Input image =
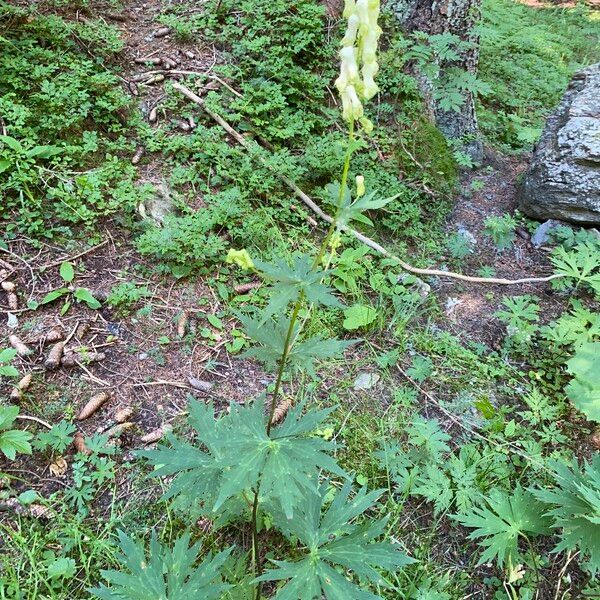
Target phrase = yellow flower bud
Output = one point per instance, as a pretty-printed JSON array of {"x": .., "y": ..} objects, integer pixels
[
  {"x": 360, "y": 186},
  {"x": 366, "y": 124},
  {"x": 241, "y": 258},
  {"x": 362, "y": 11},
  {"x": 356, "y": 106},
  {"x": 335, "y": 241}
]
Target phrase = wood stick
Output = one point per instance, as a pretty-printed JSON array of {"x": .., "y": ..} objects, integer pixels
[{"x": 308, "y": 201}]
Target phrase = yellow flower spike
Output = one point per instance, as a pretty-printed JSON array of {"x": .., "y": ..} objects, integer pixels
[
  {"x": 357, "y": 107},
  {"x": 241, "y": 258},
  {"x": 360, "y": 186},
  {"x": 349, "y": 7},
  {"x": 359, "y": 43},
  {"x": 350, "y": 36}
]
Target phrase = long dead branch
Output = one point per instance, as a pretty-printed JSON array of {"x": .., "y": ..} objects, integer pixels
[{"x": 308, "y": 201}]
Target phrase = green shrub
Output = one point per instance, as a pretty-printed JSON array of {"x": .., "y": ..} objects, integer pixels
[{"x": 51, "y": 90}]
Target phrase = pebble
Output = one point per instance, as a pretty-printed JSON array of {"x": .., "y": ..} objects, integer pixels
[{"x": 366, "y": 381}]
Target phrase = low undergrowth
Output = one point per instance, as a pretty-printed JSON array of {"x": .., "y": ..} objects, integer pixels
[{"x": 396, "y": 451}]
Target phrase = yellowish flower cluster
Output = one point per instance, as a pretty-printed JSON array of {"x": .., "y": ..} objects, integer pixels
[
  {"x": 359, "y": 47},
  {"x": 241, "y": 258}
]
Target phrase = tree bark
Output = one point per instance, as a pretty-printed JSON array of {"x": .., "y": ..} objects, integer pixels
[{"x": 457, "y": 17}]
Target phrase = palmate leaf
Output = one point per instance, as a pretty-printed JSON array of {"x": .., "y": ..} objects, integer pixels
[
  {"x": 584, "y": 389},
  {"x": 15, "y": 441},
  {"x": 165, "y": 573},
  {"x": 270, "y": 338},
  {"x": 581, "y": 264},
  {"x": 575, "y": 508},
  {"x": 234, "y": 453},
  {"x": 501, "y": 525},
  {"x": 332, "y": 540},
  {"x": 354, "y": 211},
  {"x": 290, "y": 281}
]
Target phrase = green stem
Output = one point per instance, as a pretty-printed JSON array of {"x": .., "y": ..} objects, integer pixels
[
  {"x": 343, "y": 184},
  {"x": 256, "y": 562}
]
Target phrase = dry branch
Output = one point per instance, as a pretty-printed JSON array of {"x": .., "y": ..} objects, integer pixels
[{"x": 308, "y": 201}]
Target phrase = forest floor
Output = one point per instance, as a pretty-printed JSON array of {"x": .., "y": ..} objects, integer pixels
[{"x": 180, "y": 339}]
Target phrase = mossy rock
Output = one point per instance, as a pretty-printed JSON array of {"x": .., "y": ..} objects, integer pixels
[{"x": 430, "y": 149}]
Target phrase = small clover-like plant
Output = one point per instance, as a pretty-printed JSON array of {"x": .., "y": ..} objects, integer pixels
[
  {"x": 520, "y": 314},
  {"x": 163, "y": 572},
  {"x": 501, "y": 230},
  {"x": 19, "y": 162},
  {"x": 57, "y": 439},
  {"x": 70, "y": 292}
]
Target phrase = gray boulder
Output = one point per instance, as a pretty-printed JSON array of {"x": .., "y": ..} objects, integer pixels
[{"x": 563, "y": 179}]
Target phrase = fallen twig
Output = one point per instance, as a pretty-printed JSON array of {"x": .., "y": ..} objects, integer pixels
[
  {"x": 56, "y": 263},
  {"x": 308, "y": 201},
  {"x": 34, "y": 419}
]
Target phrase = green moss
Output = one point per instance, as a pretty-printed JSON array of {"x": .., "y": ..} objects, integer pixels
[{"x": 430, "y": 150}]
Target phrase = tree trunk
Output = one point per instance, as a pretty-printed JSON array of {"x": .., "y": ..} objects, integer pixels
[{"x": 457, "y": 17}]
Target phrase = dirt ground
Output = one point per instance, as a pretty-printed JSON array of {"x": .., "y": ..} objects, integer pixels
[{"x": 146, "y": 365}]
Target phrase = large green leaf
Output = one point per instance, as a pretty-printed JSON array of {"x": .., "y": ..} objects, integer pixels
[
  {"x": 67, "y": 271},
  {"x": 234, "y": 453},
  {"x": 354, "y": 210},
  {"x": 12, "y": 143},
  {"x": 270, "y": 337},
  {"x": 582, "y": 264},
  {"x": 291, "y": 281},
  {"x": 8, "y": 414},
  {"x": 358, "y": 315},
  {"x": 13, "y": 442},
  {"x": 53, "y": 295},
  {"x": 575, "y": 507},
  {"x": 86, "y": 296},
  {"x": 502, "y": 524},
  {"x": 7, "y": 355},
  {"x": 334, "y": 541},
  {"x": 44, "y": 152},
  {"x": 584, "y": 389},
  {"x": 163, "y": 573}
]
